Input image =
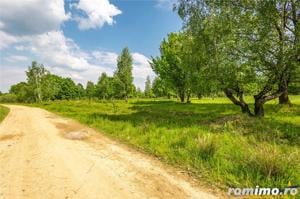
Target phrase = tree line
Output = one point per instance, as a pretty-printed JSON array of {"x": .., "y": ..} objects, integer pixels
[{"x": 41, "y": 85}]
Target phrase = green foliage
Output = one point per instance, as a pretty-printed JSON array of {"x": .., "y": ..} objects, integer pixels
[
  {"x": 174, "y": 65},
  {"x": 41, "y": 85},
  {"x": 81, "y": 91},
  {"x": 105, "y": 87},
  {"x": 3, "y": 112},
  {"x": 208, "y": 137},
  {"x": 90, "y": 90},
  {"x": 148, "y": 88},
  {"x": 244, "y": 48},
  {"x": 160, "y": 88},
  {"x": 123, "y": 75},
  {"x": 51, "y": 86},
  {"x": 68, "y": 89},
  {"x": 23, "y": 92},
  {"x": 8, "y": 98},
  {"x": 35, "y": 74}
]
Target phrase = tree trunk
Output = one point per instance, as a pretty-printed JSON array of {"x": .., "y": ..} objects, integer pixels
[
  {"x": 284, "y": 97},
  {"x": 199, "y": 96},
  {"x": 188, "y": 98},
  {"x": 259, "y": 108},
  {"x": 240, "y": 102},
  {"x": 181, "y": 96},
  {"x": 245, "y": 109}
]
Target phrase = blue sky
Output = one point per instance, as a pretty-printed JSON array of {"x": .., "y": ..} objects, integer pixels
[{"x": 81, "y": 39}]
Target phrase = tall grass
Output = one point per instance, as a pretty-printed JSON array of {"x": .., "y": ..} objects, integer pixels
[
  {"x": 3, "y": 112},
  {"x": 209, "y": 138}
]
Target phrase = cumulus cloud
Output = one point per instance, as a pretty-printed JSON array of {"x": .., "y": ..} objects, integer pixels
[
  {"x": 20, "y": 48},
  {"x": 6, "y": 40},
  {"x": 32, "y": 28},
  {"x": 31, "y": 17},
  {"x": 16, "y": 58},
  {"x": 10, "y": 75},
  {"x": 107, "y": 58},
  {"x": 57, "y": 50},
  {"x": 65, "y": 58},
  {"x": 141, "y": 69},
  {"x": 98, "y": 12}
]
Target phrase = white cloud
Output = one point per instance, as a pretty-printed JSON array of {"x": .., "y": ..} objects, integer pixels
[
  {"x": 10, "y": 75},
  {"x": 57, "y": 50},
  {"x": 33, "y": 27},
  {"x": 98, "y": 12},
  {"x": 20, "y": 48},
  {"x": 16, "y": 58},
  {"x": 65, "y": 58},
  {"x": 6, "y": 40},
  {"x": 31, "y": 17},
  {"x": 141, "y": 69},
  {"x": 106, "y": 58},
  {"x": 165, "y": 4}
]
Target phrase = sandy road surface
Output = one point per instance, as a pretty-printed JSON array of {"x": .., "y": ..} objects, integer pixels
[{"x": 46, "y": 156}]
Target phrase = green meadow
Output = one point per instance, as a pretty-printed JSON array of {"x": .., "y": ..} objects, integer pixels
[{"x": 208, "y": 138}]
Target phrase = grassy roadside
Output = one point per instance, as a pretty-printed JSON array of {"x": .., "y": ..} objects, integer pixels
[
  {"x": 208, "y": 137},
  {"x": 3, "y": 112}
]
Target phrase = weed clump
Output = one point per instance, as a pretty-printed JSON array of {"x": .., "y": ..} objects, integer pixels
[
  {"x": 207, "y": 146},
  {"x": 271, "y": 163}
]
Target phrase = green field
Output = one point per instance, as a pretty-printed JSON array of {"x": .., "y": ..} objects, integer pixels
[
  {"x": 208, "y": 138},
  {"x": 3, "y": 112}
]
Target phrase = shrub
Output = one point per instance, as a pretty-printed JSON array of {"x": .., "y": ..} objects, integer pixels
[{"x": 8, "y": 98}]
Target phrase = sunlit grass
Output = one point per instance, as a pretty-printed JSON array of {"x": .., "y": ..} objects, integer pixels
[
  {"x": 208, "y": 137},
  {"x": 3, "y": 112}
]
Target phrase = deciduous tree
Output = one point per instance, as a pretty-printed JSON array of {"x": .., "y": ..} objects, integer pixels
[{"x": 123, "y": 75}]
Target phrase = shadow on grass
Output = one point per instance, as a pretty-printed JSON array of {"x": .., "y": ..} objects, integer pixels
[{"x": 170, "y": 115}]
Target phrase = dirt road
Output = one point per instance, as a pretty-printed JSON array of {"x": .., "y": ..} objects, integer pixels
[{"x": 46, "y": 156}]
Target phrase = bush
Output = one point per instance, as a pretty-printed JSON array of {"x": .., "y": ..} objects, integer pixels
[{"x": 8, "y": 98}]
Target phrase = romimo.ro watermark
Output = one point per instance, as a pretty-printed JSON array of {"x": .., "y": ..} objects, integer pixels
[{"x": 263, "y": 192}]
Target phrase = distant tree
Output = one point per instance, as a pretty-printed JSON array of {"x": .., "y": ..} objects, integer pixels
[
  {"x": 68, "y": 89},
  {"x": 123, "y": 79},
  {"x": 160, "y": 88},
  {"x": 35, "y": 74},
  {"x": 90, "y": 90},
  {"x": 8, "y": 98},
  {"x": 81, "y": 91},
  {"x": 148, "y": 87},
  {"x": 22, "y": 91},
  {"x": 139, "y": 93},
  {"x": 174, "y": 65},
  {"x": 51, "y": 86},
  {"x": 104, "y": 87}
]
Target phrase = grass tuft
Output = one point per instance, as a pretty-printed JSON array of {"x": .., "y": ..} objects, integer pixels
[{"x": 207, "y": 146}]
